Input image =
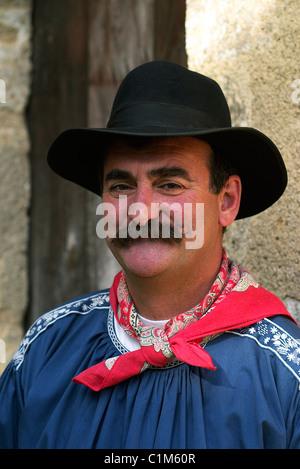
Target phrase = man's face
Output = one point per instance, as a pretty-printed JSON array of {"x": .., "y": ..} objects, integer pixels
[{"x": 168, "y": 171}]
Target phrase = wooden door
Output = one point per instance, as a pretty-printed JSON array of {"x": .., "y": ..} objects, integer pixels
[{"x": 82, "y": 49}]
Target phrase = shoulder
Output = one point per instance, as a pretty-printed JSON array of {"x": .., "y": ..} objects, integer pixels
[
  {"x": 61, "y": 317},
  {"x": 279, "y": 337}
]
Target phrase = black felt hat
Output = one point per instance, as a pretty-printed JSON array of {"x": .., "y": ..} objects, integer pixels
[{"x": 165, "y": 99}]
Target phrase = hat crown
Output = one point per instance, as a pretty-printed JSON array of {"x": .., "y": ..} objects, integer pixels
[{"x": 193, "y": 100}]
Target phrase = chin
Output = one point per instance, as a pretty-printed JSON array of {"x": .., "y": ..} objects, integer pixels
[{"x": 147, "y": 259}]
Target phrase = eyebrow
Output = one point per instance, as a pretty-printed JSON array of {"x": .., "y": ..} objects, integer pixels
[
  {"x": 163, "y": 172},
  {"x": 169, "y": 171},
  {"x": 117, "y": 174}
]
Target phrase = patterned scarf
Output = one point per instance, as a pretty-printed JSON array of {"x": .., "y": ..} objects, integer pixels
[{"x": 235, "y": 300}]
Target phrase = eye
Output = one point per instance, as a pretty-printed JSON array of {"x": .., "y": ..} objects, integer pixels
[
  {"x": 171, "y": 187},
  {"x": 120, "y": 187}
]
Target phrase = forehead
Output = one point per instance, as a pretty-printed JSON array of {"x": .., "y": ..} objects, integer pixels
[{"x": 187, "y": 152}]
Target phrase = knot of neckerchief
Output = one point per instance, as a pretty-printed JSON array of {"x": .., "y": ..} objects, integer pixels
[
  {"x": 155, "y": 342},
  {"x": 183, "y": 336}
]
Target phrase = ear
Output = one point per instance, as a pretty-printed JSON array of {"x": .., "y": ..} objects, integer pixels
[{"x": 230, "y": 197}]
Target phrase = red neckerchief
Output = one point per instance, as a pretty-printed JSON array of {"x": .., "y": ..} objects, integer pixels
[{"x": 235, "y": 300}]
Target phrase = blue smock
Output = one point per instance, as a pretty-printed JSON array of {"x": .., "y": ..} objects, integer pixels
[{"x": 250, "y": 401}]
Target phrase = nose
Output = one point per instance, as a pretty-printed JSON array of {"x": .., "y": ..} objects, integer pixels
[{"x": 141, "y": 207}]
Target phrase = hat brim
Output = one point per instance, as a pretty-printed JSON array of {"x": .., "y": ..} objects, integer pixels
[{"x": 76, "y": 155}]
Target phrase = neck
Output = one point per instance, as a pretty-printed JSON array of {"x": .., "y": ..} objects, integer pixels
[{"x": 167, "y": 295}]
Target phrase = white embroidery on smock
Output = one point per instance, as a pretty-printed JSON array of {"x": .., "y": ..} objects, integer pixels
[
  {"x": 82, "y": 306},
  {"x": 269, "y": 335}
]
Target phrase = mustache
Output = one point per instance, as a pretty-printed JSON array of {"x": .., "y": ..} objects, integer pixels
[{"x": 155, "y": 232}]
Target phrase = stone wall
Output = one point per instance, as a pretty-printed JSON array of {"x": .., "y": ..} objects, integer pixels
[
  {"x": 252, "y": 48},
  {"x": 15, "y": 19}
]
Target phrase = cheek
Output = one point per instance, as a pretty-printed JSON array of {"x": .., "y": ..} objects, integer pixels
[
  {"x": 204, "y": 213},
  {"x": 117, "y": 206},
  {"x": 211, "y": 216},
  {"x": 206, "y": 199}
]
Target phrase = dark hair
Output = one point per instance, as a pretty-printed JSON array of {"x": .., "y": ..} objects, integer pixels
[{"x": 220, "y": 170}]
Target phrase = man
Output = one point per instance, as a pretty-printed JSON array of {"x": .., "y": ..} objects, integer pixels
[{"x": 186, "y": 349}]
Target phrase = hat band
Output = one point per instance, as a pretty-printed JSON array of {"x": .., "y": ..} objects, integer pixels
[{"x": 164, "y": 115}]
